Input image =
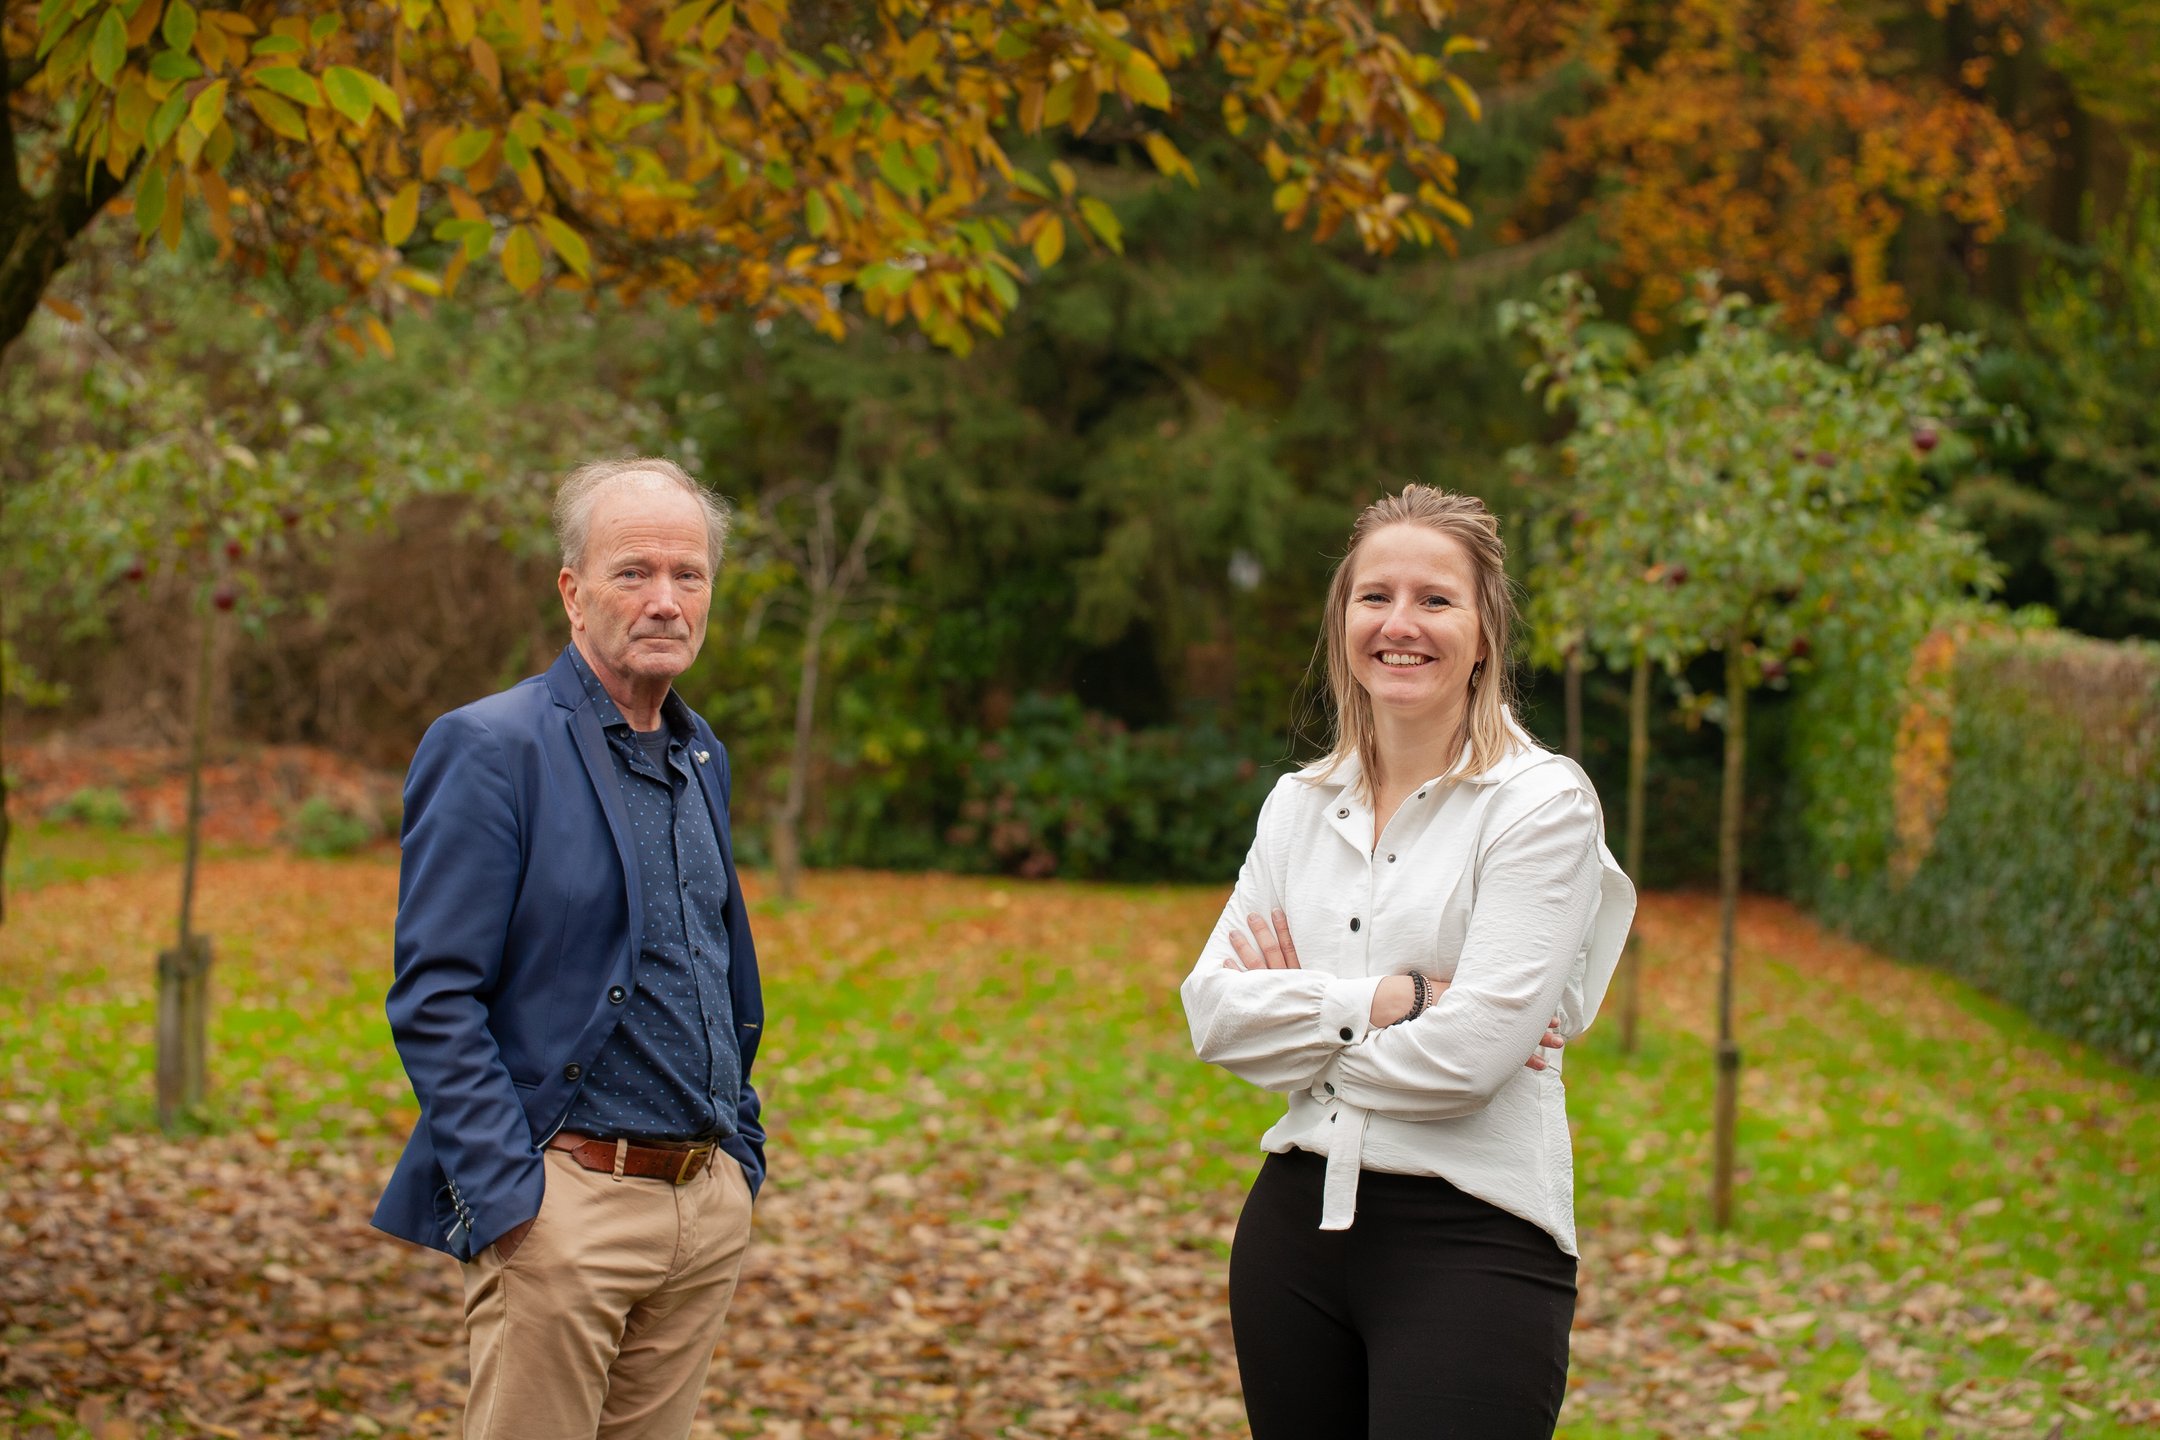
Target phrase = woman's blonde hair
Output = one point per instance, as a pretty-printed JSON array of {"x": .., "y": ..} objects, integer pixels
[{"x": 1464, "y": 519}]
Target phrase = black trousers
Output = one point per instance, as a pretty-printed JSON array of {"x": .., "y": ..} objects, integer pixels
[{"x": 1436, "y": 1316}]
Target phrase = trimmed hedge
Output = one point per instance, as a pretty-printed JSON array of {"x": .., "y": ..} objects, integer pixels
[{"x": 1992, "y": 805}]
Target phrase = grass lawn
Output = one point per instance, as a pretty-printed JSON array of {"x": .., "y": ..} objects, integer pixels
[{"x": 1002, "y": 1188}]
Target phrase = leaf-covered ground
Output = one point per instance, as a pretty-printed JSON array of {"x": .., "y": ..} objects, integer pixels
[{"x": 1002, "y": 1189}]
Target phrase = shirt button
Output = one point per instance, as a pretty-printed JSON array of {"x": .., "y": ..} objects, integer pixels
[
  {"x": 616, "y": 995},
  {"x": 1353, "y": 922},
  {"x": 1391, "y": 859},
  {"x": 1343, "y": 814},
  {"x": 1346, "y": 1033},
  {"x": 572, "y": 1071}
]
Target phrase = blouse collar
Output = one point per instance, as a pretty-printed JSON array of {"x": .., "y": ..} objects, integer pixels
[{"x": 1525, "y": 753}]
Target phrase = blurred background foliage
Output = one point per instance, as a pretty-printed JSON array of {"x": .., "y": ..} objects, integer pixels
[{"x": 1084, "y": 644}]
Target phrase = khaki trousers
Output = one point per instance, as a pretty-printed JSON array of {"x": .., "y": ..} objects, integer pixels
[{"x": 604, "y": 1320}]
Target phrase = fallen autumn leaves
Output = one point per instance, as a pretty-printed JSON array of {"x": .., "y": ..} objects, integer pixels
[{"x": 945, "y": 1249}]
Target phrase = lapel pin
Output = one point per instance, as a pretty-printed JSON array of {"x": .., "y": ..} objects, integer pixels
[{"x": 703, "y": 756}]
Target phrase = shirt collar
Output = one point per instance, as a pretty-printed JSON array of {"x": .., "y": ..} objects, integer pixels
[
  {"x": 674, "y": 712},
  {"x": 1346, "y": 775}
]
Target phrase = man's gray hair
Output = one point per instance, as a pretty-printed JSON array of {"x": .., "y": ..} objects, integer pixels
[{"x": 574, "y": 504}]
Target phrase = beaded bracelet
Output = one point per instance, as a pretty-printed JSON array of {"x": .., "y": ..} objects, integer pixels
[{"x": 1420, "y": 996}]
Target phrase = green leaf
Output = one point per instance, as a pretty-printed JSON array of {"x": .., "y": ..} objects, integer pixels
[
  {"x": 884, "y": 277},
  {"x": 291, "y": 82},
  {"x": 568, "y": 244},
  {"x": 278, "y": 114},
  {"x": 680, "y": 21},
  {"x": 277, "y": 45},
  {"x": 817, "y": 215},
  {"x": 324, "y": 27},
  {"x": 521, "y": 259},
  {"x": 108, "y": 47},
  {"x": 150, "y": 201},
  {"x": 179, "y": 26},
  {"x": 172, "y": 65},
  {"x": 167, "y": 119},
  {"x": 1104, "y": 222},
  {"x": 1146, "y": 81},
  {"x": 1001, "y": 285},
  {"x": 348, "y": 92},
  {"x": 474, "y": 235},
  {"x": 465, "y": 151},
  {"x": 385, "y": 98},
  {"x": 208, "y": 108},
  {"x": 899, "y": 171}
]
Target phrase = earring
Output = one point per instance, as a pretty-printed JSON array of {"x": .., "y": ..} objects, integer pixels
[{"x": 1475, "y": 671}]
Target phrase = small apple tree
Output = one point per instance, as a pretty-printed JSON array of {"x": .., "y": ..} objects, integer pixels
[
  {"x": 1784, "y": 505},
  {"x": 207, "y": 504},
  {"x": 1597, "y": 585}
]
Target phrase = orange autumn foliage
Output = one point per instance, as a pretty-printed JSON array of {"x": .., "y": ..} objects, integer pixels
[{"x": 1789, "y": 145}]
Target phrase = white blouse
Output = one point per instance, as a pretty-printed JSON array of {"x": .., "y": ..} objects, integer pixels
[{"x": 1500, "y": 883}]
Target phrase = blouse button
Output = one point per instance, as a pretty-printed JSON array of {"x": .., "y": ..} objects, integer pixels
[
  {"x": 1346, "y": 1033},
  {"x": 1421, "y": 794},
  {"x": 1391, "y": 859},
  {"x": 1343, "y": 814},
  {"x": 1353, "y": 922}
]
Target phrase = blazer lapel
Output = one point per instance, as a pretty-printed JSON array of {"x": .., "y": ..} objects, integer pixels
[{"x": 592, "y": 749}]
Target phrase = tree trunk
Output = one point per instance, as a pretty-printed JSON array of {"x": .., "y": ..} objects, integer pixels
[
  {"x": 1638, "y": 761},
  {"x": 787, "y": 824},
  {"x": 183, "y": 997},
  {"x": 1729, "y": 810},
  {"x": 6, "y": 828},
  {"x": 36, "y": 230},
  {"x": 1571, "y": 704}
]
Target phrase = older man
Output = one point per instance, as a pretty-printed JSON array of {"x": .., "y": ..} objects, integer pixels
[{"x": 576, "y": 997}]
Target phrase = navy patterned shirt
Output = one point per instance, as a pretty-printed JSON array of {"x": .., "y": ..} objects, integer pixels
[{"x": 670, "y": 1069}]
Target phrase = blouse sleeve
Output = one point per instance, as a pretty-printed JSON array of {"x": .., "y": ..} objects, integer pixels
[
  {"x": 1538, "y": 890},
  {"x": 1275, "y": 1028}
]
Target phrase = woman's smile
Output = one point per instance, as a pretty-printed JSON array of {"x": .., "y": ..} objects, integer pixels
[{"x": 1413, "y": 620}]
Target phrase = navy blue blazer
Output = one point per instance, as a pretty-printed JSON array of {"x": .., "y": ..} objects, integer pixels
[{"x": 517, "y": 925}]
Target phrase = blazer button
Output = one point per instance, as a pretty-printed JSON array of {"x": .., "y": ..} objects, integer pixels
[
  {"x": 1353, "y": 922},
  {"x": 572, "y": 1070},
  {"x": 616, "y": 995}
]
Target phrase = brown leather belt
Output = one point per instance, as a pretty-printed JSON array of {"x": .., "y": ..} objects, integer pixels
[{"x": 676, "y": 1164}]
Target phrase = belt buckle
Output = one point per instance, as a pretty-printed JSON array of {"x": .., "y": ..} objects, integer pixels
[{"x": 685, "y": 1172}]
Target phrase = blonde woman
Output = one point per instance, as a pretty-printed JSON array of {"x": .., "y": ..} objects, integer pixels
[{"x": 1405, "y": 1263}]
